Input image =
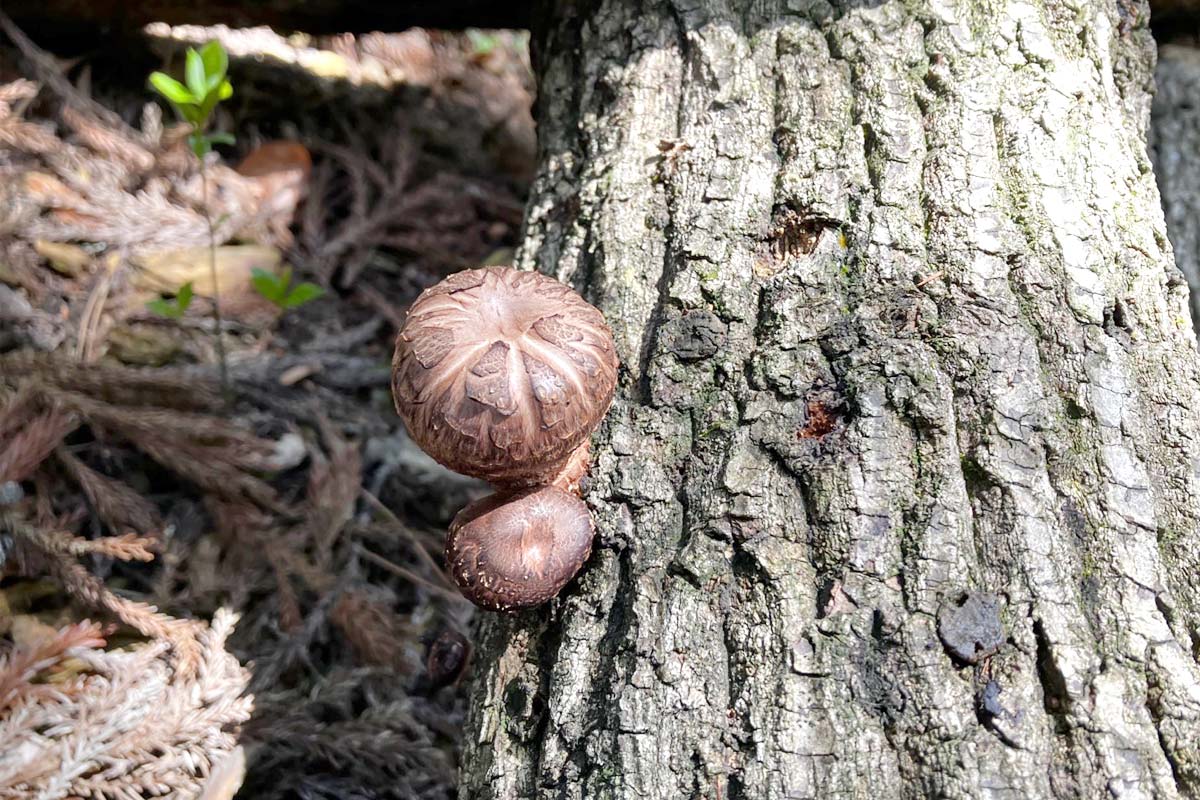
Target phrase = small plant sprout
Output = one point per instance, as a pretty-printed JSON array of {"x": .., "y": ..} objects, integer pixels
[
  {"x": 204, "y": 86},
  {"x": 280, "y": 291},
  {"x": 482, "y": 42},
  {"x": 176, "y": 308}
]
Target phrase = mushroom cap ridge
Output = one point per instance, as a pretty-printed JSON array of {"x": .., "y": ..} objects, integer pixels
[{"x": 501, "y": 374}]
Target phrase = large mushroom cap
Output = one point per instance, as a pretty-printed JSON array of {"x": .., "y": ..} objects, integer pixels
[
  {"x": 501, "y": 374},
  {"x": 510, "y": 551}
]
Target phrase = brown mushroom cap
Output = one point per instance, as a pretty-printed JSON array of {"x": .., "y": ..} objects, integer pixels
[
  {"x": 517, "y": 550},
  {"x": 502, "y": 374}
]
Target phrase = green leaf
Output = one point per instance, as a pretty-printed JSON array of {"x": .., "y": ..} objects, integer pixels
[
  {"x": 170, "y": 88},
  {"x": 216, "y": 62},
  {"x": 267, "y": 284},
  {"x": 183, "y": 298},
  {"x": 303, "y": 293},
  {"x": 194, "y": 72},
  {"x": 165, "y": 309},
  {"x": 225, "y": 90},
  {"x": 221, "y": 138}
]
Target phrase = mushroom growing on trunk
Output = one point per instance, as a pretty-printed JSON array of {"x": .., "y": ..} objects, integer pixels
[{"x": 503, "y": 375}]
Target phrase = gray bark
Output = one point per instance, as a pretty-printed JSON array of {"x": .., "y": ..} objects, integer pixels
[
  {"x": 1175, "y": 147},
  {"x": 900, "y": 494}
]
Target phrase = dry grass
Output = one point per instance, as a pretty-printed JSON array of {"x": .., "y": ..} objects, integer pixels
[{"x": 78, "y": 720}]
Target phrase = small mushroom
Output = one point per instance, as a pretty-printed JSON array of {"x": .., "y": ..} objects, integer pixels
[
  {"x": 503, "y": 375},
  {"x": 518, "y": 550}
]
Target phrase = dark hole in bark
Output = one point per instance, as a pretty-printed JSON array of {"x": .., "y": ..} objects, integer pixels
[
  {"x": 1118, "y": 321},
  {"x": 975, "y": 476},
  {"x": 825, "y": 411},
  {"x": 883, "y": 630},
  {"x": 566, "y": 212},
  {"x": 1121, "y": 315},
  {"x": 824, "y": 596},
  {"x": 795, "y": 233},
  {"x": 1054, "y": 686},
  {"x": 515, "y": 699},
  {"x": 784, "y": 140},
  {"x": 821, "y": 421},
  {"x": 1074, "y": 410}
]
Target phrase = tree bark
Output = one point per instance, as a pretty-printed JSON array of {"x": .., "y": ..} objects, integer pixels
[
  {"x": 1175, "y": 138},
  {"x": 900, "y": 494}
]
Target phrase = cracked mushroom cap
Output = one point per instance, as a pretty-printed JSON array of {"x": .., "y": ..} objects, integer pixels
[
  {"x": 501, "y": 374},
  {"x": 517, "y": 550}
]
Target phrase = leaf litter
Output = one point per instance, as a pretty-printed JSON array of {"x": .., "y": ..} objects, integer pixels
[{"x": 206, "y": 588}]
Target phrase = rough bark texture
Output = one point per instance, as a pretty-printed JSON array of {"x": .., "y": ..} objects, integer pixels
[
  {"x": 900, "y": 495},
  {"x": 1175, "y": 146}
]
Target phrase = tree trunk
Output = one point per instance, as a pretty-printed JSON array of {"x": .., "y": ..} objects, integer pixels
[
  {"x": 1176, "y": 150},
  {"x": 900, "y": 494}
]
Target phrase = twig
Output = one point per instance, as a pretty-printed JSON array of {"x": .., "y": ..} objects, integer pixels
[
  {"x": 930, "y": 278},
  {"x": 93, "y": 310},
  {"x": 408, "y": 534},
  {"x": 84, "y": 586},
  {"x": 396, "y": 569},
  {"x": 212, "y": 271}
]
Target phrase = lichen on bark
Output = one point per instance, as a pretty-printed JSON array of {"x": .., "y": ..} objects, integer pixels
[{"x": 904, "y": 352}]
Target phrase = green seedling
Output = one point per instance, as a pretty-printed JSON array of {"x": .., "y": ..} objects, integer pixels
[
  {"x": 204, "y": 85},
  {"x": 176, "y": 307},
  {"x": 280, "y": 291}
]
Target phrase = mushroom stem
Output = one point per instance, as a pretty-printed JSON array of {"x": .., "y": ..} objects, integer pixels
[{"x": 573, "y": 470}]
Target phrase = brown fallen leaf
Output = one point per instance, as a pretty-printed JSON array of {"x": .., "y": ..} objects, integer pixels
[
  {"x": 279, "y": 172},
  {"x": 165, "y": 271},
  {"x": 65, "y": 259}
]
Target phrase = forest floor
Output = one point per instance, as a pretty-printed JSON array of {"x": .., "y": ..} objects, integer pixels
[{"x": 139, "y": 496}]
